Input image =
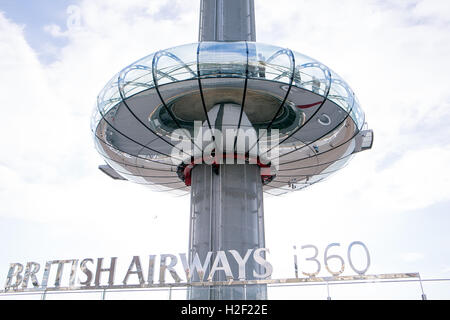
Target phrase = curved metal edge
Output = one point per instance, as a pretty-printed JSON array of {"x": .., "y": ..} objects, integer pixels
[
  {"x": 312, "y": 142},
  {"x": 136, "y": 156},
  {"x": 291, "y": 55},
  {"x": 155, "y": 81},
  {"x": 124, "y": 101},
  {"x": 201, "y": 87},
  {"x": 127, "y": 137}
]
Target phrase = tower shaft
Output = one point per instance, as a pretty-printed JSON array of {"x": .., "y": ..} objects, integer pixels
[
  {"x": 227, "y": 214},
  {"x": 227, "y": 200},
  {"x": 227, "y": 20}
]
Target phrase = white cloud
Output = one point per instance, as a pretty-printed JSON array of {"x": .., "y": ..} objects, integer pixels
[
  {"x": 55, "y": 31},
  {"x": 396, "y": 69},
  {"x": 394, "y": 54},
  {"x": 412, "y": 256},
  {"x": 48, "y": 159}
]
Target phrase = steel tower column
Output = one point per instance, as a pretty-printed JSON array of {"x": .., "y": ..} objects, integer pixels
[
  {"x": 227, "y": 200},
  {"x": 227, "y": 20},
  {"x": 227, "y": 214}
]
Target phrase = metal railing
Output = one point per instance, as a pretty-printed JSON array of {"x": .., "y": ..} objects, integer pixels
[{"x": 179, "y": 292}]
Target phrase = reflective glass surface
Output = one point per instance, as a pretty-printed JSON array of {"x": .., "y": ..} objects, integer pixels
[
  {"x": 228, "y": 59},
  {"x": 315, "y": 110}
]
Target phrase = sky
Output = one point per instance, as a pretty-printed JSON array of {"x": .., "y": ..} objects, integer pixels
[{"x": 55, "y": 57}]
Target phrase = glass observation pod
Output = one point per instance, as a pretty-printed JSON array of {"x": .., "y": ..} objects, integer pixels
[{"x": 311, "y": 115}]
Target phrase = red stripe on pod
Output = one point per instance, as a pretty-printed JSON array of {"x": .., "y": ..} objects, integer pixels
[
  {"x": 265, "y": 169},
  {"x": 307, "y": 106}
]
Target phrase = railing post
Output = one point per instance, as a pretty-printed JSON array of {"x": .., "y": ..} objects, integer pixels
[
  {"x": 328, "y": 291},
  {"x": 424, "y": 296},
  {"x": 104, "y": 294}
]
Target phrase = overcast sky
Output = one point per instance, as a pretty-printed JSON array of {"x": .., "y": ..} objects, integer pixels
[{"x": 56, "y": 204}]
